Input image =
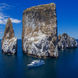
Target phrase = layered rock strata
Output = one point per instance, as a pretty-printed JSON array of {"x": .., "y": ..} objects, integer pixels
[
  {"x": 65, "y": 41},
  {"x": 39, "y": 36},
  {"x": 9, "y": 42}
]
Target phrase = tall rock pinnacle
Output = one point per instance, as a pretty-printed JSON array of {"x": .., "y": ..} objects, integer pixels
[
  {"x": 8, "y": 30},
  {"x": 9, "y": 42},
  {"x": 39, "y": 36}
]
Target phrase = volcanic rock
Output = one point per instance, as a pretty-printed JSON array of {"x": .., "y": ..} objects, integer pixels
[
  {"x": 39, "y": 36},
  {"x": 9, "y": 42},
  {"x": 65, "y": 41}
]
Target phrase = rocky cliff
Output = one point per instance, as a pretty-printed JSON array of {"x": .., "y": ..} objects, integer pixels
[
  {"x": 9, "y": 42},
  {"x": 65, "y": 41},
  {"x": 39, "y": 36}
]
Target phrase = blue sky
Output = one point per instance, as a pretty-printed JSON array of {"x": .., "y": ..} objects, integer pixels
[{"x": 67, "y": 14}]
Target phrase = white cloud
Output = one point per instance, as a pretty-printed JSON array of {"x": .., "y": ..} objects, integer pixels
[
  {"x": 3, "y": 18},
  {"x": 1, "y": 22},
  {"x": 15, "y": 20},
  {"x": 4, "y": 6}
]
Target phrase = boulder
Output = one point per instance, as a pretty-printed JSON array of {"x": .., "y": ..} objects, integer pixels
[
  {"x": 65, "y": 41},
  {"x": 9, "y": 42},
  {"x": 39, "y": 35}
]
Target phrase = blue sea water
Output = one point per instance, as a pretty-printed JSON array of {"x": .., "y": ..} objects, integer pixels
[{"x": 65, "y": 66}]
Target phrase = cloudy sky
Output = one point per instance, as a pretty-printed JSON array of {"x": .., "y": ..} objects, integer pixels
[{"x": 67, "y": 14}]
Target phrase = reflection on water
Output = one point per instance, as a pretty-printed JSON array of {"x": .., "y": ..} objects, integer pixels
[{"x": 65, "y": 66}]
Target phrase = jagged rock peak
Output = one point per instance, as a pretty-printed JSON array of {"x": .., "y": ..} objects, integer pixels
[
  {"x": 9, "y": 32},
  {"x": 10, "y": 26},
  {"x": 39, "y": 35},
  {"x": 9, "y": 42}
]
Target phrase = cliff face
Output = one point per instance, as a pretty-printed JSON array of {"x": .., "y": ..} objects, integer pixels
[
  {"x": 39, "y": 36},
  {"x": 65, "y": 41},
  {"x": 9, "y": 42}
]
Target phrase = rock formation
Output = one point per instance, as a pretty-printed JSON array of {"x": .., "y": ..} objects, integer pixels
[
  {"x": 39, "y": 37},
  {"x": 65, "y": 41},
  {"x": 9, "y": 42}
]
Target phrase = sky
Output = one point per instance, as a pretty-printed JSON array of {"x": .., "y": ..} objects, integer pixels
[{"x": 67, "y": 15}]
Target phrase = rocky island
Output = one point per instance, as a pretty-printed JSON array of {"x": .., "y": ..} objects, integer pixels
[
  {"x": 39, "y": 35},
  {"x": 9, "y": 42},
  {"x": 65, "y": 41}
]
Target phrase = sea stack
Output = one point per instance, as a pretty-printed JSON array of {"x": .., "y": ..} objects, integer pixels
[
  {"x": 9, "y": 42},
  {"x": 39, "y": 35},
  {"x": 65, "y": 41}
]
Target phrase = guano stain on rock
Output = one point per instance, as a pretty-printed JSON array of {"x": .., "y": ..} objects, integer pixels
[
  {"x": 9, "y": 42},
  {"x": 39, "y": 35},
  {"x": 65, "y": 41}
]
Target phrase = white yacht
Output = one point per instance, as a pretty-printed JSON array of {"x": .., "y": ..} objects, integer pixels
[{"x": 36, "y": 63}]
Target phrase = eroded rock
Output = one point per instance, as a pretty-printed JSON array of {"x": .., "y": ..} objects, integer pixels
[
  {"x": 65, "y": 41},
  {"x": 39, "y": 35},
  {"x": 9, "y": 42}
]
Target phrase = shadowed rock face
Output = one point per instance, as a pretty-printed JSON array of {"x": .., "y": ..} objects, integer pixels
[
  {"x": 65, "y": 41},
  {"x": 39, "y": 35},
  {"x": 9, "y": 42}
]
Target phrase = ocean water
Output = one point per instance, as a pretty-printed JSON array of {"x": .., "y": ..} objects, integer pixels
[{"x": 65, "y": 66}]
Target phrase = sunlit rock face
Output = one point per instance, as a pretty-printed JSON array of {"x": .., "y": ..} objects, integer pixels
[
  {"x": 39, "y": 37},
  {"x": 9, "y": 42},
  {"x": 65, "y": 41}
]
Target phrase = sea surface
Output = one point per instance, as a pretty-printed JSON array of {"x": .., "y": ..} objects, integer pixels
[{"x": 65, "y": 66}]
